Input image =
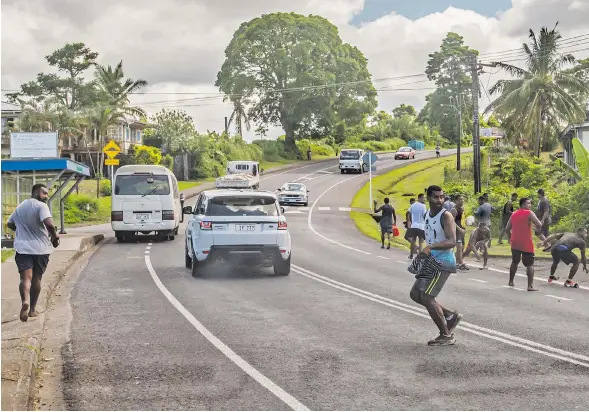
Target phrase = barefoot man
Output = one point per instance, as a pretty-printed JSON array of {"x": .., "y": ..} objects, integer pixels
[{"x": 520, "y": 232}]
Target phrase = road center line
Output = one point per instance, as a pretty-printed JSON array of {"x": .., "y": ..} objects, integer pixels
[
  {"x": 556, "y": 353},
  {"x": 383, "y": 257},
  {"x": 217, "y": 343},
  {"x": 478, "y": 280},
  {"x": 557, "y": 297},
  {"x": 513, "y": 287}
]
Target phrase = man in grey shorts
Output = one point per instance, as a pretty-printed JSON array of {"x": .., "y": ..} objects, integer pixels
[{"x": 34, "y": 241}]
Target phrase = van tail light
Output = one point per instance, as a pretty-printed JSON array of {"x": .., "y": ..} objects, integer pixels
[
  {"x": 116, "y": 216},
  {"x": 206, "y": 226},
  {"x": 282, "y": 225},
  {"x": 167, "y": 215}
]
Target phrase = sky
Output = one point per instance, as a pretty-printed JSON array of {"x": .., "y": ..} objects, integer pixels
[{"x": 178, "y": 45}]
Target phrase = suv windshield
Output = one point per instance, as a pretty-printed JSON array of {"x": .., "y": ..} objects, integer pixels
[
  {"x": 349, "y": 155},
  {"x": 242, "y": 206},
  {"x": 137, "y": 185},
  {"x": 294, "y": 187}
]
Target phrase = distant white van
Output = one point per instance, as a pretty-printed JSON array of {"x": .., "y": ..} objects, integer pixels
[{"x": 145, "y": 199}]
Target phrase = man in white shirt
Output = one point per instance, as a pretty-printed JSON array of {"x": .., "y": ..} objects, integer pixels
[
  {"x": 416, "y": 224},
  {"x": 34, "y": 241}
]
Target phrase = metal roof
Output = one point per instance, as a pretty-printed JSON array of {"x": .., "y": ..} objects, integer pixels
[{"x": 38, "y": 165}]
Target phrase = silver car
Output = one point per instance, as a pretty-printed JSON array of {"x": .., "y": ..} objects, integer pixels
[{"x": 293, "y": 194}]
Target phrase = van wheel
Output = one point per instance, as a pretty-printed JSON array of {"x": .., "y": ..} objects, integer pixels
[
  {"x": 120, "y": 239},
  {"x": 342, "y": 170},
  {"x": 281, "y": 267},
  {"x": 171, "y": 237},
  {"x": 257, "y": 186},
  {"x": 187, "y": 258}
]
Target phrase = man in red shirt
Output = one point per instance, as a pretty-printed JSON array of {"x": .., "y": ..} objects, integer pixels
[{"x": 519, "y": 230}]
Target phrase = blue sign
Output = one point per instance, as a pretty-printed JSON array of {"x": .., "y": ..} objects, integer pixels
[{"x": 373, "y": 157}]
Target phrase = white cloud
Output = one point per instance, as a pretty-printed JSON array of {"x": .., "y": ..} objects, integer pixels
[{"x": 178, "y": 45}]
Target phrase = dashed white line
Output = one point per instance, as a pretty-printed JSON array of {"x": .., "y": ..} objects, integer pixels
[
  {"x": 304, "y": 209},
  {"x": 148, "y": 247},
  {"x": 324, "y": 208},
  {"x": 401, "y": 261},
  {"x": 149, "y": 244},
  {"x": 383, "y": 257},
  {"x": 557, "y": 297},
  {"x": 345, "y": 209},
  {"x": 224, "y": 349},
  {"x": 478, "y": 280},
  {"x": 147, "y": 252},
  {"x": 513, "y": 287}
]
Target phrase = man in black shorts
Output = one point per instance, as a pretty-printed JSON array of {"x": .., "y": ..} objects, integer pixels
[
  {"x": 416, "y": 224},
  {"x": 505, "y": 215},
  {"x": 562, "y": 250},
  {"x": 478, "y": 242},
  {"x": 388, "y": 219}
]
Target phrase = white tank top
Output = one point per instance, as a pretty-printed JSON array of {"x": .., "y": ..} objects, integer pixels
[{"x": 434, "y": 232}]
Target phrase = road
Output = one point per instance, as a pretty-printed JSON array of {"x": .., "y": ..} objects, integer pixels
[{"x": 339, "y": 333}]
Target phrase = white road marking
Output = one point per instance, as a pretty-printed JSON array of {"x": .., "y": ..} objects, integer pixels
[
  {"x": 556, "y": 353},
  {"x": 478, "y": 280},
  {"x": 324, "y": 208},
  {"x": 298, "y": 179},
  {"x": 147, "y": 252},
  {"x": 148, "y": 247},
  {"x": 401, "y": 261},
  {"x": 557, "y": 297},
  {"x": 296, "y": 168},
  {"x": 304, "y": 209},
  {"x": 224, "y": 349},
  {"x": 383, "y": 257},
  {"x": 513, "y": 287},
  {"x": 149, "y": 244},
  {"x": 345, "y": 209},
  {"x": 293, "y": 212}
]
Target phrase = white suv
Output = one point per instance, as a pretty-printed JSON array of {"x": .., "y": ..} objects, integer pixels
[{"x": 241, "y": 226}]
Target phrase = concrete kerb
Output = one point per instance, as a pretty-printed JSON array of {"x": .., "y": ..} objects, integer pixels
[{"x": 24, "y": 397}]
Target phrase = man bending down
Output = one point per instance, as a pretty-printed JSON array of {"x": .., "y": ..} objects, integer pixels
[
  {"x": 478, "y": 242},
  {"x": 562, "y": 250}
]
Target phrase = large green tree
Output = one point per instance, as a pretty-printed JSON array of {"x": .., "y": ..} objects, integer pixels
[
  {"x": 404, "y": 109},
  {"x": 172, "y": 130},
  {"x": 545, "y": 93},
  {"x": 298, "y": 74}
]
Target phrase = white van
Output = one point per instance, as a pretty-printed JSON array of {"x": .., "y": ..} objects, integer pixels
[
  {"x": 145, "y": 199},
  {"x": 352, "y": 160},
  {"x": 241, "y": 174}
]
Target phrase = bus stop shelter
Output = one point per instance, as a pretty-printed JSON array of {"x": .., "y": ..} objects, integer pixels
[{"x": 19, "y": 176}]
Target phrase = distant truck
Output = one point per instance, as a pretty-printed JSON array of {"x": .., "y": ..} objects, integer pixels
[
  {"x": 352, "y": 160},
  {"x": 241, "y": 174}
]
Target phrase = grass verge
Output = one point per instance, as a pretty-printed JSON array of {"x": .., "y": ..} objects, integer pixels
[{"x": 6, "y": 254}]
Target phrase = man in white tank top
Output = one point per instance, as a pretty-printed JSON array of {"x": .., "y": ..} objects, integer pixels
[{"x": 440, "y": 238}]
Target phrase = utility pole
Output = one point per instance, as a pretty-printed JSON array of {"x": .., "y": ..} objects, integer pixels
[
  {"x": 226, "y": 126},
  {"x": 476, "y": 141}
]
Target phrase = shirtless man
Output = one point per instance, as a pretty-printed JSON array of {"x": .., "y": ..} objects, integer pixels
[
  {"x": 562, "y": 250},
  {"x": 478, "y": 242}
]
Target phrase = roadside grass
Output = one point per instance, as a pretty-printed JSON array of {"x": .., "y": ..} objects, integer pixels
[{"x": 6, "y": 254}]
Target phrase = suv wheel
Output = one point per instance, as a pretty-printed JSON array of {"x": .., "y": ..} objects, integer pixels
[
  {"x": 281, "y": 267},
  {"x": 196, "y": 267},
  {"x": 187, "y": 258}
]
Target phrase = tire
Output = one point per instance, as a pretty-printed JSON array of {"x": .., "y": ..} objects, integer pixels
[
  {"x": 257, "y": 186},
  {"x": 196, "y": 268},
  {"x": 187, "y": 258},
  {"x": 171, "y": 237},
  {"x": 342, "y": 170},
  {"x": 282, "y": 268},
  {"x": 120, "y": 239},
  {"x": 306, "y": 204}
]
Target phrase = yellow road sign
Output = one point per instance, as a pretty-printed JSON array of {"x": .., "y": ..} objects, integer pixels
[
  {"x": 111, "y": 149},
  {"x": 111, "y": 162}
]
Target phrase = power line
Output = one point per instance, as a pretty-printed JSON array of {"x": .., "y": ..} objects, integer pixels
[{"x": 562, "y": 41}]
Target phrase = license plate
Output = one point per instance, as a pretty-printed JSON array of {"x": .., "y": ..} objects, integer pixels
[
  {"x": 142, "y": 216},
  {"x": 291, "y": 200},
  {"x": 245, "y": 228}
]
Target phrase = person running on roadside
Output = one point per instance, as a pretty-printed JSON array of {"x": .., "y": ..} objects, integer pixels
[
  {"x": 35, "y": 237},
  {"x": 519, "y": 230},
  {"x": 437, "y": 150},
  {"x": 440, "y": 236},
  {"x": 458, "y": 211},
  {"x": 562, "y": 250},
  {"x": 543, "y": 212},
  {"x": 388, "y": 219},
  {"x": 505, "y": 215},
  {"x": 478, "y": 242},
  {"x": 416, "y": 224}
]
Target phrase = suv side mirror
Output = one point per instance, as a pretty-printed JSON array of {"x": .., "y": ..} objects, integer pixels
[
  {"x": 187, "y": 210},
  {"x": 279, "y": 190}
]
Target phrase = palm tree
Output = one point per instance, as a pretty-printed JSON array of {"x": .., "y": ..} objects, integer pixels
[
  {"x": 239, "y": 114},
  {"x": 542, "y": 94}
]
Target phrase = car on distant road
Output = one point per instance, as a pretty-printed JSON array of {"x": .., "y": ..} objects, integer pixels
[
  {"x": 405, "y": 153},
  {"x": 293, "y": 193},
  {"x": 242, "y": 227}
]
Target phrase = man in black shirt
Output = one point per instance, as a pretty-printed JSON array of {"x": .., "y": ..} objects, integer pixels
[
  {"x": 506, "y": 215},
  {"x": 389, "y": 218}
]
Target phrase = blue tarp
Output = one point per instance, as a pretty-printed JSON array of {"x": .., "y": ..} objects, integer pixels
[{"x": 416, "y": 144}]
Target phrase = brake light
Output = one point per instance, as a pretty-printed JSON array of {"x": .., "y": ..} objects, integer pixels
[
  {"x": 167, "y": 215},
  {"x": 116, "y": 216},
  {"x": 206, "y": 226},
  {"x": 282, "y": 225}
]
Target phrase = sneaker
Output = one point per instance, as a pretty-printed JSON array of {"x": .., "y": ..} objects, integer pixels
[
  {"x": 442, "y": 340},
  {"x": 551, "y": 278},
  {"x": 454, "y": 321},
  {"x": 570, "y": 284}
]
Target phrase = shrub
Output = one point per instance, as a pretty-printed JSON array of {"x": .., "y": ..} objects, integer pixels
[
  {"x": 168, "y": 161},
  {"x": 147, "y": 155},
  {"x": 105, "y": 187},
  {"x": 78, "y": 208}
]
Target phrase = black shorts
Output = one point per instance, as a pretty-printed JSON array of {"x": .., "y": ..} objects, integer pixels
[
  {"x": 432, "y": 286},
  {"x": 414, "y": 232},
  {"x": 36, "y": 262},
  {"x": 526, "y": 257},
  {"x": 567, "y": 256}
]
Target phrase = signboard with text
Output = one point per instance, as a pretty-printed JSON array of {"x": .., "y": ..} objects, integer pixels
[{"x": 33, "y": 145}]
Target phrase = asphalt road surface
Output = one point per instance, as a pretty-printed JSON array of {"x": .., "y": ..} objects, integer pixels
[{"x": 339, "y": 333}]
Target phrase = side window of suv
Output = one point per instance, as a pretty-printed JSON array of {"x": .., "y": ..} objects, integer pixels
[{"x": 199, "y": 205}]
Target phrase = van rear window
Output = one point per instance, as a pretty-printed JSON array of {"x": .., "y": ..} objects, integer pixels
[
  {"x": 242, "y": 206},
  {"x": 137, "y": 185}
]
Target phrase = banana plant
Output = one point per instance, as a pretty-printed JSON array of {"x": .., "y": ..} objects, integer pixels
[
  {"x": 581, "y": 157},
  {"x": 566, "y": 166}
]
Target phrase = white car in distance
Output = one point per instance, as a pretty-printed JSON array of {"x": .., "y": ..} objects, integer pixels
[
  {"x": 243, "y": 227},
  {"x": 293, "y": 193}
]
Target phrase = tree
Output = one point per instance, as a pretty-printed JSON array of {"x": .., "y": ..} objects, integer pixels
[
  {"x": 297, "y": 73},
  {"x": 147, "y": 155},
  {"x": 544, "y": 93},
  {"x": 493, "y": 122},
  {"x": 449, "y": 69},
  {"x": 404, "y": 109},
  {"x": 239, "y": 115},
  {"x": 172, "y": 130}
]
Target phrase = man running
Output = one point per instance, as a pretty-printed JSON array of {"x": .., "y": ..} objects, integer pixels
[
  {"x": 34, "y": 240},
  {"x": 505, "y": 215},
  {"x": 440, "y": 235},
  {"x": 458, "y": 212},
  {"x": 484, "y": 211},
  {"x": 388, "y": 219},
  {"x": 416, "y": 224},
  {"x": 438, "y": 150},
  {"x": 478, "y": 242},
  {"x": 519, "y": 231},
  {"x": 562, "y": 250}
]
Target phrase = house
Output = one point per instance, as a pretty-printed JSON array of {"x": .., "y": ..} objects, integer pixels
[
  {"x": 580, "y": 131},
  {"x": 492, "y": 133},
  {"x": 10, "y": 112}
]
